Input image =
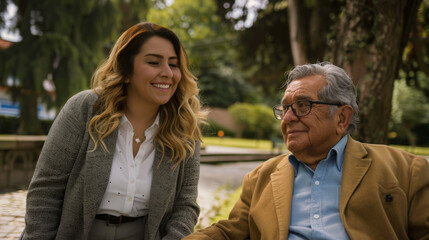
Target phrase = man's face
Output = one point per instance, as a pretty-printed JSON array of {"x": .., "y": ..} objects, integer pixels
[{"x": 316, "y": 133}]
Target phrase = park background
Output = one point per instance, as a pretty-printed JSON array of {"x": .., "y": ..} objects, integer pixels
[{"x": 239, "y": 50}]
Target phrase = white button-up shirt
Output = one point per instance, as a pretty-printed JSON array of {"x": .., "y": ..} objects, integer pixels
[{"x": 128, "y": 190}]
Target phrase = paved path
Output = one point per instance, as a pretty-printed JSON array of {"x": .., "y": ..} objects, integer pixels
[
  {"x": 226, "y": 177},
  {"x": 12, "y": 209}
]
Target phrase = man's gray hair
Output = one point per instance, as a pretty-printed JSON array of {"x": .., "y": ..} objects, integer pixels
[{"x": 339, "y": 88}]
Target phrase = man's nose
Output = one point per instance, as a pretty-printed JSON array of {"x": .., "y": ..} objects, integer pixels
[{"x": 289, "y": 116}]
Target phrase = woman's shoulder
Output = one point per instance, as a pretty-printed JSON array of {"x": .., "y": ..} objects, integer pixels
[
  {"x": 85, "y": 96},
  {"x": 81, "y": 102}
]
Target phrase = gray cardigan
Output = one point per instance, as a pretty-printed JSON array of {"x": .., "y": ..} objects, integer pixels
[{"x": 69, "y": 182}]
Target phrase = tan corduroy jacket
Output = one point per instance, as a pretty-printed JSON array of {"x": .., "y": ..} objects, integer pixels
[{"x": 384, "y": 195}]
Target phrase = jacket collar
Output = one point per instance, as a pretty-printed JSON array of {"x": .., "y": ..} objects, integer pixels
[{"x": 356, "y": 165}]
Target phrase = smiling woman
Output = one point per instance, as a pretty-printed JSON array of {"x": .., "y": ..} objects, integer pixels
[{"x": 124, "y": 155}]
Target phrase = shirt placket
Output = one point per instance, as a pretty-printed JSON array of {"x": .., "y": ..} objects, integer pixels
[
  {"x": 316, "y": 197},
  {"x": 131, "y": 181}
]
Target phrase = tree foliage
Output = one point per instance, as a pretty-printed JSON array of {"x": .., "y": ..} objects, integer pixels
[
  {"x": 62, "y": 43},
  {"x": 365, "y": 37},
  {"x": 211, "y": 49},
  {"x": 410, "y": 108},
  {"x": 205, "y": 38}
]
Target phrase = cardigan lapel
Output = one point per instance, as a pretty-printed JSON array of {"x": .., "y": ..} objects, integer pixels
[
  {"x": 356, "y": 164},
  {"x": 282, "y": 184},
  {"x": 97, "y": 172},
  {"x": 163, "y": 187}
]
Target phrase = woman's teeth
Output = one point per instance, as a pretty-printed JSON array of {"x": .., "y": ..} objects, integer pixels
[{"x": 164, "y": 86}]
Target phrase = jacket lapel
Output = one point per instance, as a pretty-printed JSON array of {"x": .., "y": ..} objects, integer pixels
[
  {"x": 282, "y": 184},
  {"x": 164, "y": 180},
  {"x": 96, "y": 172},
  {"x": 356, "y": 164}
]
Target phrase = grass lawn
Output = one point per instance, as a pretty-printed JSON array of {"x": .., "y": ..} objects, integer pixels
[
  {"x": 238, "y": 142},
  {"x": 267, "y": 145},
  {"x": 424, "y": 151}
]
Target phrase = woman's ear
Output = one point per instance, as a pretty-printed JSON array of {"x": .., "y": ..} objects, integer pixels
[{"x": 345, "y": 114}]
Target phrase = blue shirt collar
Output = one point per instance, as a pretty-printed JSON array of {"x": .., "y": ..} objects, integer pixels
[{"x": 336, "y": 152}]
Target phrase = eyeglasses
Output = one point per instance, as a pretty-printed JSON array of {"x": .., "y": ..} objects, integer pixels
[{"x": 300, "y": 108}]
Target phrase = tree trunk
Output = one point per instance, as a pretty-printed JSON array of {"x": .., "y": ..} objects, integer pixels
[
  {"x": 298, "y": 33},
  {"x": 309, "y": 25},
  {"x": 29, "y": 123},
  {"x": 369, "y": 43}
]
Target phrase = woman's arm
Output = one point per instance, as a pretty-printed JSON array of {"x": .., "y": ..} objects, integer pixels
[
  {"x": 46, "y": 190},
  {"x": 185, "y": 210}
]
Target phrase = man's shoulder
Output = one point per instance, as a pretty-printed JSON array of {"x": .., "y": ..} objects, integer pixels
[
  {"x": 388, "y": 154},
  {"x": 382, "y": 149},
  {"x": 272, "y": 164}
]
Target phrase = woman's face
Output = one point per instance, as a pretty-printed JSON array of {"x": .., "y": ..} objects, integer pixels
[{"x": 156, "y": 73}]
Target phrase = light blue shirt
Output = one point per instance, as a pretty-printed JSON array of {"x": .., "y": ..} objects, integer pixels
[{"x": 316, "y": 197}]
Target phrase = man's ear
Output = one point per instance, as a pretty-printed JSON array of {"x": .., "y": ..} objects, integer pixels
[{"x": 344, "y": 117}]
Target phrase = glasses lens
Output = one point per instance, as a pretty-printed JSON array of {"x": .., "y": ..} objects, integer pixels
[
  {"x": 278, "y": 112},
  {"x": 302, "y": 108}
]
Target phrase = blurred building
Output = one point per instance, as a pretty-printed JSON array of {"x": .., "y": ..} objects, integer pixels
[{"x": 10, "y": 108}]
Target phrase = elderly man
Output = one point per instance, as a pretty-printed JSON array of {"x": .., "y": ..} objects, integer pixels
[{"x": 331, "y": 186}]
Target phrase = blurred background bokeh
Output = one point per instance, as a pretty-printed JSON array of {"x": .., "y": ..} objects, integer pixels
[{"x": 238, "y": 49}]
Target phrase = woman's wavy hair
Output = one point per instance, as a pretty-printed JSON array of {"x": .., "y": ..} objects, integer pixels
[{"x": 179, "y": 117}]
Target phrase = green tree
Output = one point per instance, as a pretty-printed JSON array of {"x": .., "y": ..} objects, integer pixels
[
  {"x": 365, "y": 37},
  {"x": 210, "y": 45},
  {"x": 369, "y": 43},
  {"x": 222, "y": 87},
  {"x": 62, "y": 42},
  {"x": 205, "y": 37},
  {"x": 410, "y": 108}
]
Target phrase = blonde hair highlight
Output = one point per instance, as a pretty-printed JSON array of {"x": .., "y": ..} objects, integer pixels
[{"x": 179, "y": 118}]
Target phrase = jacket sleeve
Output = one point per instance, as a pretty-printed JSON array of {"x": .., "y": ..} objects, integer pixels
[
  {"x": 46, "y": 190},
  {"x": 185, "y": 210},
  {"x": 418, "y": 218},
  {"x": 237, "y": 226}
]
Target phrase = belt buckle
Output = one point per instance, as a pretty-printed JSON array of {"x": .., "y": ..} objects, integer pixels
[{"x": 108, "y": 220}]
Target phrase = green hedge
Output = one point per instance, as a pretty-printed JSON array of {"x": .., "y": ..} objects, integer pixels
[{"x": 9, "y": 125}]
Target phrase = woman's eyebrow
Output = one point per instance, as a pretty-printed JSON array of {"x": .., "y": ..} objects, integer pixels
[{"x": 159, "y": 56}]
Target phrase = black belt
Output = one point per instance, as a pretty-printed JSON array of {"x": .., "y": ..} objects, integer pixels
[{"x": 110, "y": 219}]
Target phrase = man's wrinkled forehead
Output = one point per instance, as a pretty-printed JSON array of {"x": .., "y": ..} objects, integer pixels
[{"x": 306, "y": 88}]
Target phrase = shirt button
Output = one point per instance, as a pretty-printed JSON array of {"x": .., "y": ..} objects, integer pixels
[
  {"x": 316, "y": 216},
  {"x": 130, "y": 199},
  {"x": 317, "y": 183},
  {"x": 132, "y": 181},
  {"x": 132, "y": 165}
]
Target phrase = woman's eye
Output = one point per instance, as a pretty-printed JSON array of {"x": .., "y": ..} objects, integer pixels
[
  {"x": 153, "y": 63},
  {"x": 173, "y": 65}
]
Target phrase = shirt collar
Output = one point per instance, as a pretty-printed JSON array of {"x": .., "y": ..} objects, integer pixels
[
  {"x": 337, "y": 152},
  {"x": 124, "y": 122}
]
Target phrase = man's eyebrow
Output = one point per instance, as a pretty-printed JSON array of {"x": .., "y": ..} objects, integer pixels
[
  {"x": 159, "y": 56},
  {"x": 297, "y": 98}
]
